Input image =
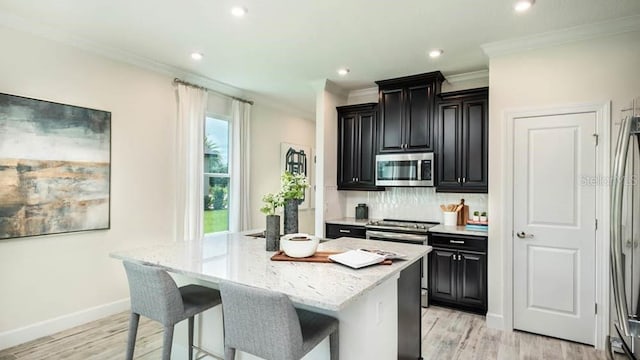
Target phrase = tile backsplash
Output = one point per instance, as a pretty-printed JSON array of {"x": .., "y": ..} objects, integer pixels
[{"x": 409, "y": 203}]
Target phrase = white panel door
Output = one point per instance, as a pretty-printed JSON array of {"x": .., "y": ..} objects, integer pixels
[{"x": 554, "y": 226}]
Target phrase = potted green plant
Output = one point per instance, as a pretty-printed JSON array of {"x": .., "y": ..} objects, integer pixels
[
  {"x": 292, "y": 188},
  {"x": 476, "y": 216},
  {"x": 483, "y": 216},
  {"x": 272, "y": 233}
]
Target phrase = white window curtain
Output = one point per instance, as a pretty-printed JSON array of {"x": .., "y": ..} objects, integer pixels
[
  {"x": 239, "y": 218},
  {"x": 192, "y": 103}
]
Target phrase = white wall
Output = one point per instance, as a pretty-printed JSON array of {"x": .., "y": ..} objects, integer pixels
[
  {"x": 593, "y": 71},
  {"x": 329, "y": 203},
  {"x": 50, "y": 283},
  {"x": 51, "y": 276},
  {"x": 269, "y": 128}
]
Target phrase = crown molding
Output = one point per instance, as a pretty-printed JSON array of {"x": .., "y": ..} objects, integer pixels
[
  {"x": 564, "y": 36},
  {"x": 336, "y": 89},
  {"x": 451, "y": 79},
  {"x": 367, "y": 92},
  {"x": 268, "y": 101},
  {"x": 322, "y": 85},
  {"x": 44, "y": 31},
  {"x": 468, "y": 76},
  {"x": 14, "y": 22}
]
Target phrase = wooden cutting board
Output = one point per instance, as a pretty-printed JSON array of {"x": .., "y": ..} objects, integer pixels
[
  {"x": 318, "y": 257},
  {"x": 463, "y": 216}
]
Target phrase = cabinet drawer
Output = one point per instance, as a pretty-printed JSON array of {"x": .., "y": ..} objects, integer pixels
[
  {"x": 462, "y": 242},
  {"x": 334, "y": 231}
]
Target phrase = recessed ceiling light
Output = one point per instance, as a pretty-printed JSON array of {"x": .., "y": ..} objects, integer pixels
[
  {"x": 435, "y": 53},
  {"x": 523, "y": 5},
  {"x": 239, "y": 11},
  {"x": 197, "y": 56},
  {"x": 343, "y": 71}
]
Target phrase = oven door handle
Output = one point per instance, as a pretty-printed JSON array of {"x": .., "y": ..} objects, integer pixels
[{"x": 396, "y": 236}]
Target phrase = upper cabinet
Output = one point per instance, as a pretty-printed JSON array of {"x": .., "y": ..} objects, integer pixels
[
  {"x": 463, "y": 133},
  {"x": 406, "y": 112},
  {"x": 357, "y": 144}
]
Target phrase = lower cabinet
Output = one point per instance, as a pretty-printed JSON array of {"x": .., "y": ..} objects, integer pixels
[
  {"x": 458, "y": 272},
  {"x": 334, "y": 231}
]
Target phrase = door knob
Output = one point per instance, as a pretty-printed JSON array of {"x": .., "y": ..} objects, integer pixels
[{"x": 523, "y": 235}]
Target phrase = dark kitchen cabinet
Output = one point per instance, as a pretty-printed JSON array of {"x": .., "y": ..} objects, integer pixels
[
  {"x": 357, "y": 143},
  {"x": 410, "y": 312},
  {"x": 463, "y": 133},
  {"x": 334, "y": 231},
  {"x": 458, "y": 272},
  {"x": 407, "y": 112}
]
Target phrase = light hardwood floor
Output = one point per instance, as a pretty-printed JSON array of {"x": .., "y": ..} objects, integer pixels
[
  {"x": 447, "y": 334},
  {"x": 451, "y": 334}
]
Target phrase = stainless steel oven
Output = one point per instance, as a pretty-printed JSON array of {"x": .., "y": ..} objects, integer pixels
[
  {"x": 410, "y": 232},
  {"x": 404, "y": 169}
]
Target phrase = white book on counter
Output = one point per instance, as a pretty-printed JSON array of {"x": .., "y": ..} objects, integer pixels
[{"x": 362, "y": 257}]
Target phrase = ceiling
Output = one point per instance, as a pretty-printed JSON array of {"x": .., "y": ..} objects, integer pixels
[{"x": 281, "y": 46}]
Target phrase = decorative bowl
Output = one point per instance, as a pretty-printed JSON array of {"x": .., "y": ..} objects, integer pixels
[{"x": 299, "y": 245}]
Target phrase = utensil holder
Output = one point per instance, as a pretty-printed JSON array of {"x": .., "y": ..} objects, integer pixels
[{"x": 450, "y": 218}]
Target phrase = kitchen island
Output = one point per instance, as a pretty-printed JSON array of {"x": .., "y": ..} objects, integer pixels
[{"x": 369, "y": 302}]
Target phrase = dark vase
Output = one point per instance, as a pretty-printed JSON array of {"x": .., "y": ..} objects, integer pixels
[
  {"x": 291, "y": 216},
  {"x": 272, "y": 233}
]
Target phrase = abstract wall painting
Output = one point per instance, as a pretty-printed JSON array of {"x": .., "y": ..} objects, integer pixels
[{"x": 55, "y": 166}]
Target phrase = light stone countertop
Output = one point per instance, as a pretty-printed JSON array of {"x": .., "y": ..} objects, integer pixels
[
  {"x": 459, "y": 230},
  {"x": 242, "y": 259},
  {"x": 350, "y": 221}
]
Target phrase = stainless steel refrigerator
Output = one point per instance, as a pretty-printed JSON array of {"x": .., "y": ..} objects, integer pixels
[{"x": 625, "y": 236}]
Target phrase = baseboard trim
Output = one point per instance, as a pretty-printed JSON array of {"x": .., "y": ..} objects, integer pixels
[
  {"x": 495, "y": 321},
  {"x": 48, "y": 327}
]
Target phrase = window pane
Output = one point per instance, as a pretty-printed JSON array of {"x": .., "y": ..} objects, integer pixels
[
  {"x": 216, "y": 204},
  {"x": 216, "y": 146}
]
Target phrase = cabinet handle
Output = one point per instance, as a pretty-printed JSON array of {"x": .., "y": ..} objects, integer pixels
[
  {"x": 456, "y": 242},
  {"x": 459, "y": 182},
  {"x": 464, "y": 180},
  {"x": 459, "y": 257},
  {"x": 345, "y": 231},
  {"x": 454, "y": 257}
]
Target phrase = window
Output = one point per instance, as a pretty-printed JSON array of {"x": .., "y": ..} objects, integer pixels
[{"x": 216, "y": 175}]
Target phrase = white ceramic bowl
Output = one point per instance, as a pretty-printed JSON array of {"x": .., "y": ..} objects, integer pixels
[{"x": 299, "y": 245}]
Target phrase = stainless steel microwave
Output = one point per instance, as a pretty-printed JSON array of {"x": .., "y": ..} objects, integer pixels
[{"x": 404, "y": 169}]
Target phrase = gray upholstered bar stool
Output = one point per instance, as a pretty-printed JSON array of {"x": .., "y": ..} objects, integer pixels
[
  {"x": 155, "y": 295},
  {"x": 266, "y": 324}
]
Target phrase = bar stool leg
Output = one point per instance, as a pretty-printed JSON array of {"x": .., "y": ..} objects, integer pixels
[
  {"x": 334, "y": 345},
  {"x": 191, "y": 338},
  {"x": 133, "y": 332},
  {"x": 167, "y": 343},
  {"x": 229, "y": 353}
]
